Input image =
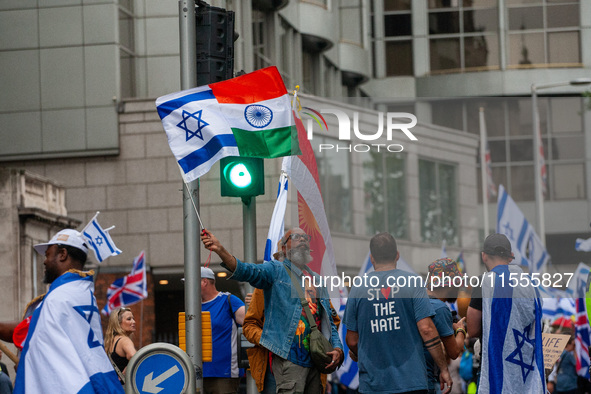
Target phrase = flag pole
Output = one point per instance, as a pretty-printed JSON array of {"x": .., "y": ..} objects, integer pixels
[
  {"x": 483, "y": 175},
  {"x": 539, "y": 193},
  {"x": 10, "y": 355},
  {"x": 194, "y": 205}
]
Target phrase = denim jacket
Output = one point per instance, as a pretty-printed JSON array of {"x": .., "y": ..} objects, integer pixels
[{"x": 283, "y": 308}]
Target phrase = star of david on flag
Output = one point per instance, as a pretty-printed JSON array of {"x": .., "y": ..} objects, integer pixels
[
  {"x": 87, "y": 311},
  {"x": 188, "y": 124},
  {"x": 517, "y": 357},
  {"x": 99, "y": 239},
  {"x": 130, "y": 289}
]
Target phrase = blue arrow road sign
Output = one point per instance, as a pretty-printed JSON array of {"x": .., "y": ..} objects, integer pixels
[{"x": 160, "y": 373}]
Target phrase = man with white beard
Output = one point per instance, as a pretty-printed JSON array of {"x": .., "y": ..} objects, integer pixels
[{"x": 286, "y": 329}]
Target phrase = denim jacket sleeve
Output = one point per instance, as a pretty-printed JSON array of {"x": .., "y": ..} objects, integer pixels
[
  {"x": 335, "y": 339},
  {"x": 258, "y": 275}
]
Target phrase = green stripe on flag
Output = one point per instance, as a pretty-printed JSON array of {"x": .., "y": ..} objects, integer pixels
[{"x": 268, "y": 143}]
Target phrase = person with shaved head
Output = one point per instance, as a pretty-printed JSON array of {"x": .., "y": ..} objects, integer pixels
[{"x": 286, "y": 328}]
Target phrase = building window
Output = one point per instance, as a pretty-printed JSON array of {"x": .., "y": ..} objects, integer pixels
[
  {"x": 384, "y": 190},
  {"x": 463, "y": 35},
  {"x": 509, "y": 134},
  {"x": 287, "y": 57},
  {"x": 399, "y": 58},
  {"x": 438, "y": 202},
  {"x": 127, "y": 54},
  {"x": 335, "y": 184},
  {"x": 352, "y": 23},
  {"x": 311, "y": 72},
  {"x": 260, "y": 40},
  {"x": 397, "y": 33},
  {"x": 543, "y": 32}
]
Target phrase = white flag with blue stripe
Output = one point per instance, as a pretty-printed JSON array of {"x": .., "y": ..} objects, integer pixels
[
  {"x": 276, "y": 227},
  {"x": 100, "y": 240},
  {"x": 512, "y": 352},
  {"x": 63, "y": 351},
  {"x": 525, "y": 243}
]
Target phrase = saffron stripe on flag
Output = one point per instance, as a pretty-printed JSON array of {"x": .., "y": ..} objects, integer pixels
[
  {"x": 205, "y": 153},
  {"x": 268, "y": 144},
  {"x": 261, "y": 85},
  {"x": 167, "y": 107}
]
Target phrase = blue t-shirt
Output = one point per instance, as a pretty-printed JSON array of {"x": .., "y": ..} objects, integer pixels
[
  {"x": 444, "y": 325},
  {"x": 566, "y": 377},
  {"x": 390, "y": 348},
  {"x": 224, "y": 339}
]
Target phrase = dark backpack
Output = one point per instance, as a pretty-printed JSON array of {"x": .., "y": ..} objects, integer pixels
[{"x": 466, "y": 366}]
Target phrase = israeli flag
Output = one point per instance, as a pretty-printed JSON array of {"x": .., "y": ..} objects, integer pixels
[
  {"x": 276, "y": 227},
  {"x": 512, "y": 352},
  {"x": 583, "y": 245},
  {"x": 525, "y": 243},
  {"x": 100, "y": 240},
  {"x": 64, "y": 352},
  {"x": 556, "y": 303}
]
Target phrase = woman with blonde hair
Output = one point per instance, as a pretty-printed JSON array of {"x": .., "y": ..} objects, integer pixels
[{"x": 118, "y": 343}]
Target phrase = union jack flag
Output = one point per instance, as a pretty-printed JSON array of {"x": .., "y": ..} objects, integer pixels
[
  {"x": 582, "y": 335},
  {"x": 130, "y": 289}
]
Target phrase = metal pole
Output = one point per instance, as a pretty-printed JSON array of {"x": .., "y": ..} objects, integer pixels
[
  {"x": 483, "y": 170},
  {"x": 537, "y": 166},
  {"x": 249, "y": 236},
  {"x": 188, "y": 48}
]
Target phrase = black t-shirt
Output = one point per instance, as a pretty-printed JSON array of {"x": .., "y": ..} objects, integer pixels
[{"x": 476, "y": 298}]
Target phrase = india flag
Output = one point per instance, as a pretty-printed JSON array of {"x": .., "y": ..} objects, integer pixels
[{"x": 249, "y": 115}]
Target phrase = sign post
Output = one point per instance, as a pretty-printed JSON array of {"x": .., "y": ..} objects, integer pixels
[{"x": 160, "y": 368}]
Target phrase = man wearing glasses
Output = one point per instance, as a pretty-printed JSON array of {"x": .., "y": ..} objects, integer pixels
[{"x": 286, "y": 329}]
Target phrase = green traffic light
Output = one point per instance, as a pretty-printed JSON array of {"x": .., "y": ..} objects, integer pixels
[{"x": 240, "y": 176}]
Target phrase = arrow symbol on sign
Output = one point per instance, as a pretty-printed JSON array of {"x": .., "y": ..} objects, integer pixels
[{"x": 151, "y": 385}]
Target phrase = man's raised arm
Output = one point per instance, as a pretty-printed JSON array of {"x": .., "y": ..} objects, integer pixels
[{"x": 212, "y": 243}]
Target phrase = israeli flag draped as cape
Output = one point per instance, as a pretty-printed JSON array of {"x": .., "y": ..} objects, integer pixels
[
  {"x": 64, "y": 352},
  {"x": 512, "y": 354}
]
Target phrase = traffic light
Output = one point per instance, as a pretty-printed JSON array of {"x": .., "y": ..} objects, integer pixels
[
  {"x": 242, "y": 176},
  {"x": 215, "y": 44}
]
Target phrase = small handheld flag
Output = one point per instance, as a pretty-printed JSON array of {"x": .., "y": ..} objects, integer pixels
[{"x": 100, "y": 240}]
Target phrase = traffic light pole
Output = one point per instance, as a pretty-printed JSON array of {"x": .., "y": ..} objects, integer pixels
[
  {"x": 191, "y": 231},
  {"x": 249, "y": 236}
]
